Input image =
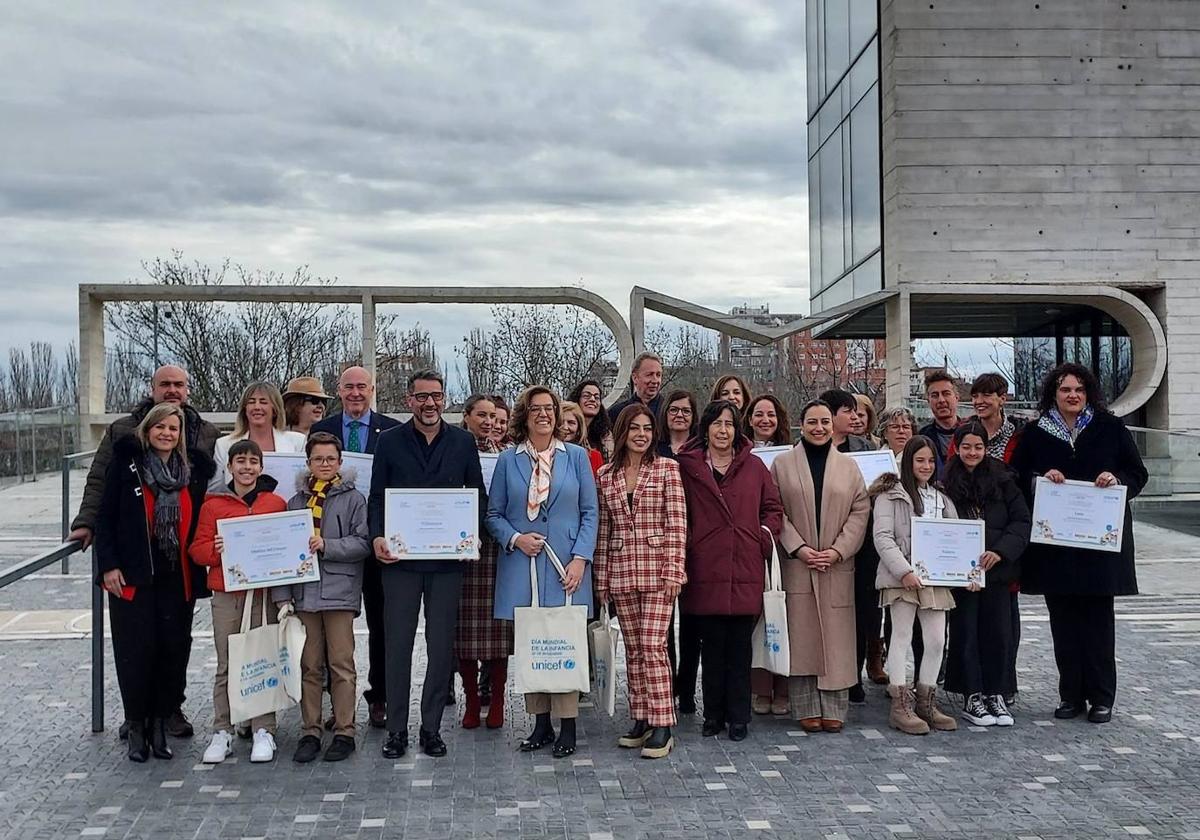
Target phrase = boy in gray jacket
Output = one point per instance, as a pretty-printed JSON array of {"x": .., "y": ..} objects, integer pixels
[{"x": 327, "y": 607}]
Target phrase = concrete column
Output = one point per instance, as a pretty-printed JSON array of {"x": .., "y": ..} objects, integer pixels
[
  {"x": 899, "y": 347},
  {"x": 92, "y": 383},
  {"x": 368, "y": 337}
]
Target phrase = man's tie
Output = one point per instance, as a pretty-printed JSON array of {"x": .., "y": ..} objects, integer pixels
[{"x": 355, "y": 442}]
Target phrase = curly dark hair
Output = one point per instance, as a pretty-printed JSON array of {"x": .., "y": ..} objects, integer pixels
[
  {"x": 598, "y": 426},
  {"x": 1095, "y": 396}
]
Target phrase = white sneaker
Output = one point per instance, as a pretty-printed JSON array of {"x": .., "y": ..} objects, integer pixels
[
  {"x": 264, "y": 747},
  {"x": 219, "y": 749},
  {"x": 977, "y": 712},
  {"x": 995, "y": 705}
]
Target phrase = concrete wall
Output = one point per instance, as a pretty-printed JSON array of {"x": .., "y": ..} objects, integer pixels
[{"x": 1053, "y": 142}]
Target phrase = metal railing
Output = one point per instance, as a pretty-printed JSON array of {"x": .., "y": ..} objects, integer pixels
[
  {"x": 68, "y": 462},
  {"x": 32, "y": 440},
  {"x": 40, "y": 561}
]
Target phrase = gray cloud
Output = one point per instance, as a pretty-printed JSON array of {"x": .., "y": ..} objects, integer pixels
[{"x": 631, "y": 142}]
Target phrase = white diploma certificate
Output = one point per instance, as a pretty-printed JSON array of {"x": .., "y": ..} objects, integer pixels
[
  {"x": 285, "y": 466},
  {"x": 874, "y": 463},
  {"x": 268, "y": 549},
  {"x": 487, "y": 462},
  {"x": 432, "y": 523},
  {"x": 768, "y": 454},
  {"x": 1078, "y": 514},
  {"x": 945, "y": 552}
]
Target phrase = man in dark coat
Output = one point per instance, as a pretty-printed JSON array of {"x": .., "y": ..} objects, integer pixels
[
  {"x": 425, "y": 452},
  {"x": 169, "y": 384},
  {"x": 647, "y": 386},
  {"x": 941, "y": 392},
  {"x": 359, "y": 428}
]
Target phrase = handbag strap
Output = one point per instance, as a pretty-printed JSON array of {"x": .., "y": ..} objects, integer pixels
[
  {"x": 246, "y": 610},
  {"x": 774, "y": 574},
  {"x": 533, "y": 579},
  {"x": 554, "y": 561}
]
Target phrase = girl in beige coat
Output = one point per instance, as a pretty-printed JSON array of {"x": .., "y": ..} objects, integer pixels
[
  {"x": 897, "y": 500},
  {"x": 825, "y": 518}
]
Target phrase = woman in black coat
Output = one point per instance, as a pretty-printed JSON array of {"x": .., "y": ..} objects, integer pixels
[
  {"x": 1077, "y": 438},
  {"x": 153, "y": 490},
  {"x": 981, "y": 628}
]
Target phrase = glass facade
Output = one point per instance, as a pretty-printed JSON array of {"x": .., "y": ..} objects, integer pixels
[{"x": 844, "y": 183}]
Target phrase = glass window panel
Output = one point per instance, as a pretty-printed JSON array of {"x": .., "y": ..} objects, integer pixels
[
  {"x": 832, "y": 253},
  {"x": 837, "y": 40},
  {"x": 868, "y": 277},
  {"x": 812, "y": 56},
  {"x": 863, "y": 23},
  {"x": 814, "y": 225},
  {"x": 865, "y": 178},
  {"x": 840, "y": 292},
  {"x": 864, "y": 73},
  {"x": 847, "y": 247}
]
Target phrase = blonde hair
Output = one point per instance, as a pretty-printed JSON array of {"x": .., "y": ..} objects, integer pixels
[
  {"x": 575, "y": 410},
  {"x": 241, "y": 426},
  {"x": 869, "y": 405},
  {"x": 155, "y": 416}
]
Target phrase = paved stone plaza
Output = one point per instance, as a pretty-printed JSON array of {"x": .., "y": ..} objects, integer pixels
[{"x": 1138, "y": 776}]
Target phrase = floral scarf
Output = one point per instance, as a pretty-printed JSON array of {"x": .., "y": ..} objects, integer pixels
[
  {"x": 1052, "y": 422},
  {"x": 539, "y": 478}
]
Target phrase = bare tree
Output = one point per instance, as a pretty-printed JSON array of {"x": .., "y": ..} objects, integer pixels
[{"x": 689, "y": 355}]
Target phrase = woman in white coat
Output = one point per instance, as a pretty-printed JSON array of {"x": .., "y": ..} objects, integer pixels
[{"x": 261, "y": 418}]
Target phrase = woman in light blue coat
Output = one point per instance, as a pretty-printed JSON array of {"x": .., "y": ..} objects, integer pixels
[{"x": 543, "y": 493}]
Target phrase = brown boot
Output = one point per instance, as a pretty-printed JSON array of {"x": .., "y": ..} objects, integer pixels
[
  {"x": 928, "y": 711},
  {"x": 902, "y": 716},
  {"x": 875, "y": 670}
]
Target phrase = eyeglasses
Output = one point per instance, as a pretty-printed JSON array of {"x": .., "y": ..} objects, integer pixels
[
  {"x": 897, "y": 427},
  {"x": 541, "y": 409},
  {"x": 683, "y": 411},
  {"x": 422, "y": 397},
  {"x": 589, "y": 396},
  {"x": 324, "y": 459},
  {"x": 314, "y": 400}
]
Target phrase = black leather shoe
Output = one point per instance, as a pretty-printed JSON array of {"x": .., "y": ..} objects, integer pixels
[
  {"x": 396, "y": 745},
  {"x": 139, "y": 746},
  {"x": 432, "y": 744},
  {"x": 635, "y": 737},
  {"x": 178, "y": 726},
  {"x": 307, "y": 750},
  {"x": 857, "y": 694},
  {"x": 123, "y": 732},
  {"x": 158, "y": 739},
  {"x": 340, "y": 749},
  {"x": 659, "y": 743},
  {"x": 712, "y": 727},
  {"x": 738, "y": 731},
  {"x": 377, "y": 712},
  {"x": 1100, "y": 714},
  {"x": 1067, "y": 710},
  {"x": 536, "y": 740},
  {"x": 564, "y": 746}
]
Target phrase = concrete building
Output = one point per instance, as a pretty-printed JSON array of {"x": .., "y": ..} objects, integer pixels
[{"x": 1018, "y": 170}]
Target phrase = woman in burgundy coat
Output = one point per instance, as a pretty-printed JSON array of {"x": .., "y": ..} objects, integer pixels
[{"x": 730, "y": 498}]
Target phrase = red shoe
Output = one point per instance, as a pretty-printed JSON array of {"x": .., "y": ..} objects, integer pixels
[
  {"x": 498, "y": 677},
  {"x": 470, "y": 678}
]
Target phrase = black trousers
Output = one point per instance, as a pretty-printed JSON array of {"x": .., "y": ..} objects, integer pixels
[
  {"x": 726, "y": 653},
  {"x": 867, "y": 615},
  {"x": 981, "y": 642},
  {"x": 1085, "y": 640},
  {"x": 689, "y": 655},
  {"x": 1011, "y": 679},
  {"x": 152, "y": 639},
  {"x": 404, "y": 593},
  {"x": 376, "y": 646}
]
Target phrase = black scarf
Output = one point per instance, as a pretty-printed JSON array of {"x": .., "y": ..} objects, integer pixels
[{"x": 166, "y": 479}]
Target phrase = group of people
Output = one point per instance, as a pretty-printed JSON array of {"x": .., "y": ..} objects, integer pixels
[{"x": 656, "y": 509}]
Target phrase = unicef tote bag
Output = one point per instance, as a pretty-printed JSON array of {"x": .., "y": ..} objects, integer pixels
[
  {"x": 770, "y": 640},
  {"x": 550, "y": 643},
  {"x": 262, "y": 663}
]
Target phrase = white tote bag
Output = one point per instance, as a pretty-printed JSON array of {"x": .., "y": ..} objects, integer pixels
[
  {"x": 259, "y": 666},
  {"x": 604, "y": 661},
  {"x": 292, "y": 637},
  {"x": 770, "y": 640},
  {"x": 550, "y": 643}
]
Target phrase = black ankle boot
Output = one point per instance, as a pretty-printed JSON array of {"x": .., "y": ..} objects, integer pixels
[
  {"x": 158, "y": 739},
  {"x": 139, "y": 748},
  {"x": 565, "y": 745},
  {"x": 635, "y": 737},
  {"x": 542, "y": 734},
  {"x": 659, "y": 743}
]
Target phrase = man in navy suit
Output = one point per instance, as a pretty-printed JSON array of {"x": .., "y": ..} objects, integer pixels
[
  {"x": 425, "y": 452},
  {"x": 359, "y": 428}
]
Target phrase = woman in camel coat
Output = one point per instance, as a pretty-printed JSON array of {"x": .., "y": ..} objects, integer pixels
[{"x": 825, "y": 519}]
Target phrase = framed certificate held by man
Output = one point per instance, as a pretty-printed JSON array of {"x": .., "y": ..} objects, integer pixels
[
  {"x": 267, "y": 549},
  {"x": 946, "y": 552},
  {"x": 1078, "y": 514},
  {"x": 432, "y": 523}
]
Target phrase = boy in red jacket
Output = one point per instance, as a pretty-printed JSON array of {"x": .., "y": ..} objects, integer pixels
[{"x": 249, "y": 493}]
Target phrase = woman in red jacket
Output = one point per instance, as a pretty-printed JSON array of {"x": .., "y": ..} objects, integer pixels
[{"x": 731, "y": 499}]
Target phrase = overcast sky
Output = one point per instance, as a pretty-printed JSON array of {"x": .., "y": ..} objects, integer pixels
[{"x": 630, "y": 142}]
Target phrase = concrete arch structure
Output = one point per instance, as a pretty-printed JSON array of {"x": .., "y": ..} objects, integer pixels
[{"x": 93, "y": 417}]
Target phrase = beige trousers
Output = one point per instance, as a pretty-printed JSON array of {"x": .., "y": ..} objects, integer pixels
[
  {"x": 329, "y": 643},
  {"x": 564, "y": 705},
  {"x": 227, "y": 610}
]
